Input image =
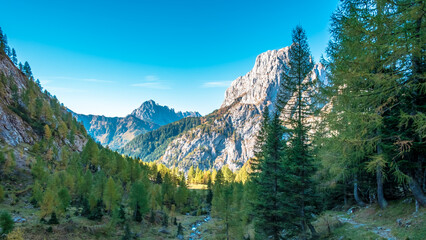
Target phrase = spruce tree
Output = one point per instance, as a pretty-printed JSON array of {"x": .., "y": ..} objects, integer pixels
[
  {"x": 6, "y": 222},
  {"x": 222, "y": 201},
  {"x": 14, "y": 57},
  {"x": 273, "y": 205},
  {"x": 300, "y": 87}
]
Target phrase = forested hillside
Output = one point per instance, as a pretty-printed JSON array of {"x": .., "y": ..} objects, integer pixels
[
  {"x": 114, "y": 132},
  {"x": 340, "y": 156},
  {"x": 151, "y": 146}
]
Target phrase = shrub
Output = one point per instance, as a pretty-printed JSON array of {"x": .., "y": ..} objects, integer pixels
[{"x": 6, "y": 222}]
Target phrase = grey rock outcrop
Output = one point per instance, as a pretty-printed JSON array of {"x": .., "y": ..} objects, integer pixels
[
  {"x": 231, "y": 136},
  {"x": 13, "y": 129},
  {"x": 114, "y": 132}
]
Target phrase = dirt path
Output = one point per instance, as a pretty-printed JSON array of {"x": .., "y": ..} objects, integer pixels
[{"x": 381, "y": 231}]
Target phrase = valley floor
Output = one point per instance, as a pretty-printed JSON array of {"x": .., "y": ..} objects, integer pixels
[{"x": 399, "y": 221}]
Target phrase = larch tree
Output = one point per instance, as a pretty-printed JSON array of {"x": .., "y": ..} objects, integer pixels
[
  {"x": 111, "y": 195},
  {"x": 139, "y": 200},
  {"x": 376, "y": 61}
]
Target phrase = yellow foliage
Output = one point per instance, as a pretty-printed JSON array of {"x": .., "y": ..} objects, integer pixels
[
  {"x": 16, "y": 234},
  {"x": 49, "y": 203}
]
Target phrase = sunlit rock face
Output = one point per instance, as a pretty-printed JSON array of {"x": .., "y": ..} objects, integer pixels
[{"x": 229, "y": 134}]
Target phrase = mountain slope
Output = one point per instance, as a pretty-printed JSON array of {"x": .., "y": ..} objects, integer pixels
[
  {"x": 150, "y": 146},
  {"x": 228, "y": 135},
  {"x": 32, "y": 122},
  {"x": 115, "y": 132}
]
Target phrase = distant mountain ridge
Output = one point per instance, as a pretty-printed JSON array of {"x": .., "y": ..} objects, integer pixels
[
  {"x": 161, "y": 115},
  {"x": 116, "y": 132}
]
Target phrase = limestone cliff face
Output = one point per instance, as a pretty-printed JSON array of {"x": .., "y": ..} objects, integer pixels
[{"x": 229, "y": 134}]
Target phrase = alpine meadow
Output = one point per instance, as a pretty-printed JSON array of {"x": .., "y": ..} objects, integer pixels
[{"x": 322, "y": 138}]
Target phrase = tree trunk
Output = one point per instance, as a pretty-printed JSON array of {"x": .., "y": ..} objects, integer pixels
[
  {"x": 303, "y": 234},
  {"x": 302, "y": 222},
  {"x": 345, "y": 198},
  {"x": 227, "y": 231},
  {"x": 417, "y": 192},
  {"x": 380, "y": 195},
  {"x": 356, "y": 196},
  {"x": 313, "y": 231}
]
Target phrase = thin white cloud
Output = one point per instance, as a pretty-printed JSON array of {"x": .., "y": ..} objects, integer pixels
[
  {"x": 151, "y": 78},
  {"x": 80, "y": 79},
  {"x": 217, "y": 84},
  {"x": 152, "y": 82}
]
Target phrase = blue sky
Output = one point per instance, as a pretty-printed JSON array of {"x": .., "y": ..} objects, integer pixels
[{"x": 107, "y": 57}]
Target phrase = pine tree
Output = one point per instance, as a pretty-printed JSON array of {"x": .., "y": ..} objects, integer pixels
[
  {"x": 299, "y": 84},
  {"x": 273, "y": 202},
  {"x": 4, "y": 48},
  {"x": 158, "y": 179},
  {"x": 53, "y": 219},
  {"x": 6, "y": 222},
  {"x": 27, "y": 70},
  {"x": 222, "y": 201},
  {"x": 14, "y": 57}
]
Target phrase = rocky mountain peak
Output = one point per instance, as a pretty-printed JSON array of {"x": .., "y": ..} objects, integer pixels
[
  {"x": 116, "y": 132},
  {"x": 260, "y": 85},
  {"x": 153, "y": 112},
  {"x": 231, "y": 134}
]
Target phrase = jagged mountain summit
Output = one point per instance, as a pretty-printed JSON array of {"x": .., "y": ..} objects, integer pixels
[
  {"x": 228, "y": 135},
  {"x": 153, "y": 112},
  {"x": 115, "y": 132}
]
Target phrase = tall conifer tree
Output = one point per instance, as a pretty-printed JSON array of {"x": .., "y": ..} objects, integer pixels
[{"x": 298, "y": 89}]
